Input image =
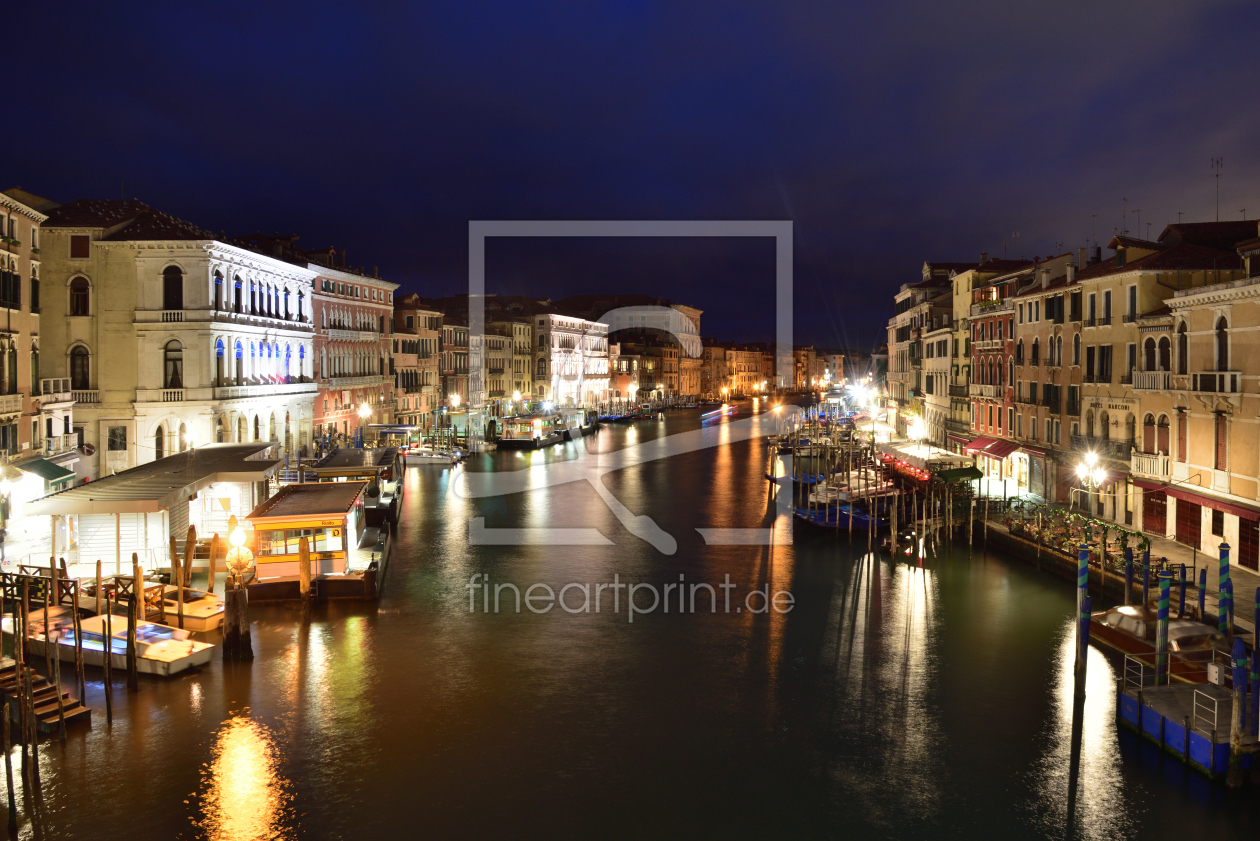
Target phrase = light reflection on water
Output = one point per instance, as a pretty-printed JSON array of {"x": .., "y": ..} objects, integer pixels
[
  {"x": 243, "y": 798},
  {"x": 1101, "y": 808}
]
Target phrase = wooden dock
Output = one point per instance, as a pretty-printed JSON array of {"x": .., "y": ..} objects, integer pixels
[
  {"x": 1189, "y": 720},
  {"x": 46, "y": 704}
]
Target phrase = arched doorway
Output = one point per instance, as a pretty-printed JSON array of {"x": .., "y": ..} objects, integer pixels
[{"x": 159, "y": 445}]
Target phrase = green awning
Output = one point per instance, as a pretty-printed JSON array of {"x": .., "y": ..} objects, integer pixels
[
  {"x": 960, "y": 474},
  {"x": 46, "y": 470}
]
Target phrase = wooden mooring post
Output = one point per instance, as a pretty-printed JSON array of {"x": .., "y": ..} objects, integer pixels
[{"x": 134, "y": 612}]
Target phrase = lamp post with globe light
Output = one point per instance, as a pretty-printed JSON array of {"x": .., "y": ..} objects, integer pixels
[{"x": 1092, "y": 476}]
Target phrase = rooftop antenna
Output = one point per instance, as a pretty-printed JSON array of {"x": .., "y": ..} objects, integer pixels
[
  {"x": 1244, "y": 213},
  {"x": 1148, "y": 231},
  {"x": 1124, "y": 217},
  {"x": 1217, "y": 165},
  {"x": 1180, "y": 213}
]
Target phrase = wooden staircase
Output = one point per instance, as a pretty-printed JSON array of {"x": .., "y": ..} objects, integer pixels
[{"x": 46, "y": 715}]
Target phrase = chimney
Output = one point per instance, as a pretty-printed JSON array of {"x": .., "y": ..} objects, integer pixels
[
  {"x": 376, "y": 271},
  {"x": 1080, "y": 257},
  {"x": 341, "y": 259},
  {"x": 1045, "y": 278},
  {"x": 1071, "y": 272},
  {"x": 1097, "y": 258},
  {"x": 984, "y": 256}
]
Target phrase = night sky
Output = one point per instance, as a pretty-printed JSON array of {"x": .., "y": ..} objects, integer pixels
[{"x": 890, "y": 133}]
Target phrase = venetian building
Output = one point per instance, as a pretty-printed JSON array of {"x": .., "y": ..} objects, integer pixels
[{"x": 172, "y": 335}]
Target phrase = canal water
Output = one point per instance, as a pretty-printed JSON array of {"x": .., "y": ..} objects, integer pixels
[{"x": 894, "y": 700}]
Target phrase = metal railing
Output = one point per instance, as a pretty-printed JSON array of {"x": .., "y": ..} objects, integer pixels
[
  {"x": 1150, "y": 464},
  {"x": 1218, "y": 382},
  {"x": 983, "y": 390},
  {"x": 1206, "y": 713},
  {"x": 1137, "y": 675}
]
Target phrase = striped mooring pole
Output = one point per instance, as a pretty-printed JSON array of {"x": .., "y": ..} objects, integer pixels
[
  {"x": 1202, "y": 594},
  {"x": 1128, "y": 575},
  {"x": 1181, "y": 598},
  {"x": 1225, "y": 618},
  {"x": 1222, "y": 590},
  {"x": 1161, "y": 630},
  {"x": 1146, "y": 577},
  {"x": 1235, "y": 777},
  {"x": 1082, "y": 574},
  {"x": 1255, "y": 692},
  {"x": 1082, "y": 646}
]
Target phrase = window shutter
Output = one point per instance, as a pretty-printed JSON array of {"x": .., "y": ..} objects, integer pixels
[
  {"x": 1181, "y": 437},
  {"x": 1220, "y": 442}
]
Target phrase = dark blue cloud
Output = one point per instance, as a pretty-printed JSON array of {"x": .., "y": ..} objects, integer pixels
[{"x": 890, "y": 133}]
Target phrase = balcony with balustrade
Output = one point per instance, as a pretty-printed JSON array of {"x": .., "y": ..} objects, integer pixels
[
  {"x": 993, "y": 392},
  {"x": 10, "y": 404},
  {"x": 1112, "y": 448},
  {"x": 55, "y": 390},
  {"x": 1151, "y": 380},
  {"x": 1155, "y": 465}
]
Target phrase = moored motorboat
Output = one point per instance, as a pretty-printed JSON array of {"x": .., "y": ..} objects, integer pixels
[{"x": 160, "y": 649}]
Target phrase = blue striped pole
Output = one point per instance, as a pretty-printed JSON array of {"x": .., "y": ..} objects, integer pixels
[
  {"x": 1234, "y": 778},
  {"x": 1161, "y": 630},
  {"x": 1222, "y": 591},
  {"x": 1225, "y": 609},
  {"x": 1202, "y": 594},
  {"x": 1255, "y": 692},
  {"x": 1181, "y": 598},
  {"x": 1146, "y": 577},
  {"x": 1082, "y": 575},
  {"x": 1128, "y": 575}
]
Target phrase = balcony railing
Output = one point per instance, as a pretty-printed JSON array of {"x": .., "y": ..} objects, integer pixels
[
  {"x": 1150, "y": 464},
  {"x": 1130, "y": 318},
  {"x": 354, "y": 382},
  {"x": 989, "y": 345},
  {"x": 172, "y": 395},
  {"x": 56, "y": 444},
  {"x": 56, "y": 389},
  {"x": 1091, "y": 321},
  {"x": 1219, "y": 382},
  {"x": 10, "y": 403},
  {"x": 1052, "y": 405},
  {"x": 1153, "y": 380},
  {"x": 172, "y": 315},
  {"x": 1105, "y": 447},
  {"x": 958, "y": 391},
  {"x": 234, "y": 392},
  {"x": 983, "y": 390},
  {"x": 91, "y": 396},
  {"x": 340, "y": 335}
]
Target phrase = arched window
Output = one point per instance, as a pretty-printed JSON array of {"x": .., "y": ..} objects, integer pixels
[
  {"x": 240, "y": 363},
  {"x": 1165, "y": 354},
  {"x": 1222, "y": 344},
  {"x": 257, "y": 428},
  {"x": 219, "y": 362},
  {"x": 1019, "y": 351},
  {"x": 1162, "y": 435},
  {"x": 159, "y": 445},
  {"x": 1148, "y": 354},
  {"x": 173, "y": 376},
  {"x": 34, "y": 369},
  {"x": 1036, "y": 351},
  {"x": 183, "y": 437},
  {"x": 1148, "y": 433},
  {"x": 1076, "y": 349},
  {"x": 1058, "y": 352},
  {"x": 238, "y": 294},
  {"x": 271, "y": 431},
  {"x": 218, "y": 290},
  {"x": 79, "y": 296},
  {"x": 286, "y": 304},
  {"x": 542, "y": 367},
  {"x": 79, "y": 368},
  {"x": 218, "y": 430},
  {"x": 1130, "y": 429},
  {"x": 288, "y": 353},
  {"x": 1089, "y": 424},
  {"x": 242, "y": 430},
  {"x": 1183, "y": 349},
  {"x": 301, "y": 360},
  {"x": 1104, "y": 425},
  {"x": 172, "y": 288}
]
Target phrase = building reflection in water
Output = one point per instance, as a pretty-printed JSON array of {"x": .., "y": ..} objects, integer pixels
[{"x": 243, "y": 797}]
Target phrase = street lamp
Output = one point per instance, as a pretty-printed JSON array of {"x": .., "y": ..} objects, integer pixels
[
  {"x": 239, "y": 558},
  {"x": 365, "y": 412},
  {"x": 1090, "y": 473}
]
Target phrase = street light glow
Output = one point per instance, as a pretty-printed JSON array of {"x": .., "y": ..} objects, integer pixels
[{"x": 365, "y": 410}]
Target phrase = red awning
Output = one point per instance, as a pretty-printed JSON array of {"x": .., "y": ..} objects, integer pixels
[
  {"x": 1148, "y": 484},
  {"x": 1035, "y": 452},
  {"x": 978, "y": 444},
  {"x": 1182, "y": 492},
  {"x": 1000, "y": 449},
  {"x": 958, "y": 439}
]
